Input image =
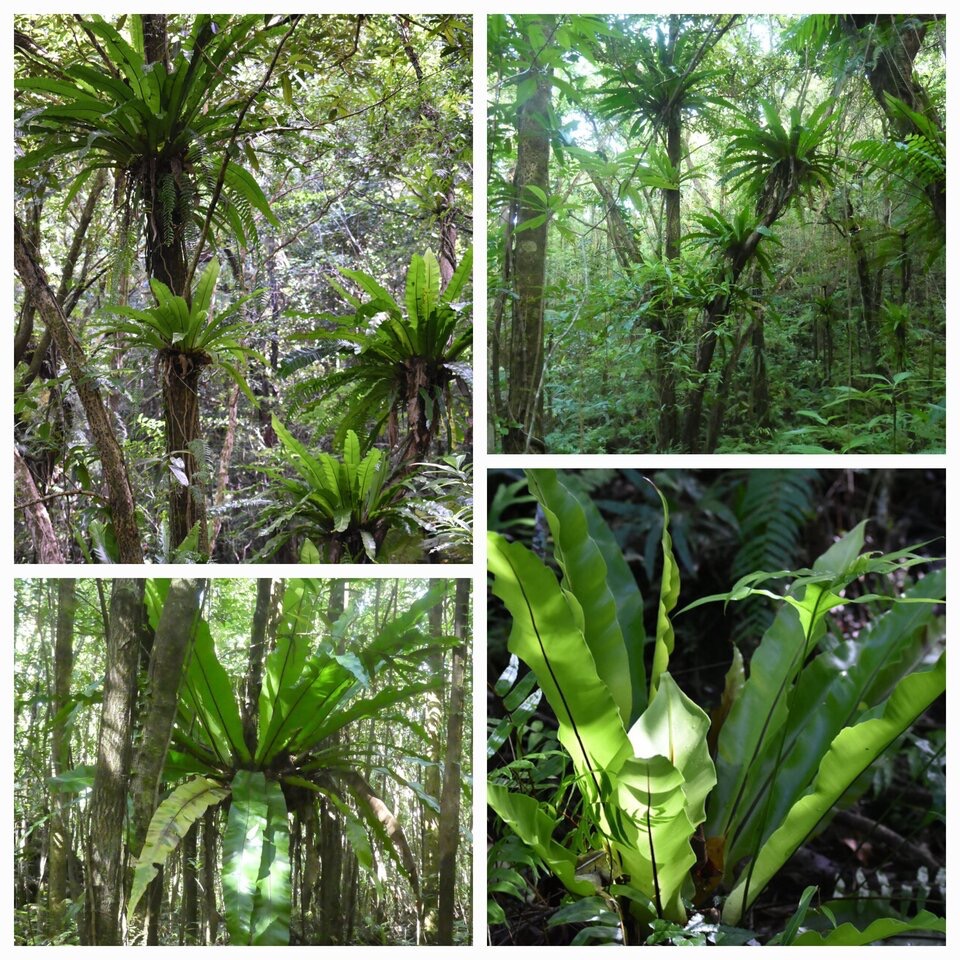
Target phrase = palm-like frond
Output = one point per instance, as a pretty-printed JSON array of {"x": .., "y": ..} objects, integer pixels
[
  {"x": 349, "y": 501},
  {"x": 724, "y": 237},
  {"x": 775, "y": 162},
  {"x": 658, "y": 83},
  {"x": 385, "y": 343},
  {"x": 137, "y": 117},
  {"x": 175, "y": 326}
]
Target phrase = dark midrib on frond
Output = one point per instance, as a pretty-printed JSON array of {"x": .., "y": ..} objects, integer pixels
[{"x": 556, "y": 682}]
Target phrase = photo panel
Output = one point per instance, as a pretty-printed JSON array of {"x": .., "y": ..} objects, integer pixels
[
  {"x": 718, "y": 711},
  {"x": 233, "y": 761},
  {"x": 244, "y": 288},
  {"x": 716, "y": 233}
]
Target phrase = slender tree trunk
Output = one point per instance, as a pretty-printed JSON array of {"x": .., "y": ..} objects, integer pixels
[
  {"x": 60, "y": 845},
  {"x": 191, "y": 889},
  {"x": 718, "y": 309},
  {"x": 223, "y": 470},
  {"x": 331, "y": 826},
  {"x": 46, "y": 547},
  {"x": 181, "y": 404},
  {"x": 255, "y": 655},
  {"x": 108, "y": 804},
  {"x": 175, "y": 632},
  {"x": 524, "y": 429},
  {"x": 449, "y": 834},
  {"x": 429, "y": 823},
  {"x": 211, "y": 919},
  {"x": 120, "y": 493},
  {"x": 672, "y": 318}
]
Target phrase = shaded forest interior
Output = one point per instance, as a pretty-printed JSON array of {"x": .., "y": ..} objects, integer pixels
[
  {"x": 238, "y": 762},
  {"x": 874, "y": 856},
  {"x": 717, "y": 233},
  {"x": 243, "y": 319}
]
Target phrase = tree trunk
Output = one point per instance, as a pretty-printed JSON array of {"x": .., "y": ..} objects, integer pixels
[
  {"x": 736, "y": 261},
  {"x": 174, "y": 636},
  {"x": 449, "y": 834},
  {"x": 524, "y": 429},
  {"x": 331, "y": 826},
  {"x": 191, "y": 899},
  {"x": 429, "y": 823},
  {"x": 120, "y": 493},
  {"x": 60, "y": 845},
  {"x": 108, "y": 804},
  {"x": 891, "y": 44},
  {"x": 672, "y": 319},
  {"x": 211, "y": 919},
  {"x": 175, "y": 632},
  {"x": 181, "y": 411},
  {"x": 46, "y": 547},
  {"x": 255, "y": 655}
]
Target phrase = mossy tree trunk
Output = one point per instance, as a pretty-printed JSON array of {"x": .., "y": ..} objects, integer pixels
[
  {"x": 108, "y": 803},
  {"x": 60, "y": 844},
  {"x": 524, "y": 408}
]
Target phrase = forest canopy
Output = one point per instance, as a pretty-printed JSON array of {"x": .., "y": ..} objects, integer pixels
[
  {"x": 241, "y": 762},
  {"x": 243, "y": 321},
  {"x": 717, "y": 233}
]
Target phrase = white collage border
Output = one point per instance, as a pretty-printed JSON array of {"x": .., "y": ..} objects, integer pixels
[{"x": 482, "y": 460}]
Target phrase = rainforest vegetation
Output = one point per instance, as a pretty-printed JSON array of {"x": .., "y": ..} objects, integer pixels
[
  {"x": 243, "y": 322},
  {"x": 234, "y": 761},
  {"x": 716, "y": 709},
  {"x": 717, "y": 233}
]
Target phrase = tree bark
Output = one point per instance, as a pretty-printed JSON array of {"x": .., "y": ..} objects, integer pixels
[
  {"x": 524, "y": 427},
  {"x": 46, "y": 547},
  {"x": 60, "y": 845},
  {"x": 672, "y": 318},
  {"x": 120, "y": 493},
  {"x": 191, "y": 899},
  {"x": 108, "y": 804},
  {"x": 255, "y": 655},
  {"x": 331, "y": 826},
  {"x": 891, "y": 44},
  {"x": 449, "y": 833},
  {"x": 211, "y": 919},
  {"x": 429, "y": 821},
  {"x": 174, "y": 634},
  {"x": 181, "y": 410}
]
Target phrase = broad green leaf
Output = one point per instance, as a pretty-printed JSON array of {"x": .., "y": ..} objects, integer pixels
[
  {"x": 256, "y": 865},
  {"x": 327, "y": 719},
  {"x": 207, "y": 696},
  {"x": 318, "y": 690},
  {"x": 77, "y": 780},
  {"x": 370, "y": 286},
  {"x": 852, "y": 751},
  {"x": 663, "y": 791},
  {"x": 546, "y": 637},
  {"x": 242, "y": 852},
  {"x": 170, "y": 823},
  {"x": 272, "y": 903},
  {"x": 461, "y": 276},
  {"x": 669, "y": 594},
  {"x": 831, "y": 693},
  {"x": 585, "y": 576},
  {"x": 847, "y": 935},
  {"x": 283, "y": 666},
  {"x": 530, "y": 821}
]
